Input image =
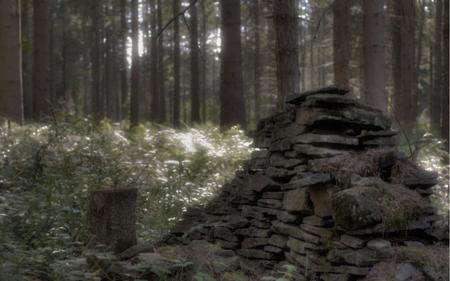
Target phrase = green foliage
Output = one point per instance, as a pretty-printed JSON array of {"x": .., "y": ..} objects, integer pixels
[{"x": 47, "y": 172}]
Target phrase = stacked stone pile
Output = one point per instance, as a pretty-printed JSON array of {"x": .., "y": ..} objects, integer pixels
[{"x": 294, "y": 203}]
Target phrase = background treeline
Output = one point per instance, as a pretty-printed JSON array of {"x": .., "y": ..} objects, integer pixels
[{"x": 77, "y": 55}]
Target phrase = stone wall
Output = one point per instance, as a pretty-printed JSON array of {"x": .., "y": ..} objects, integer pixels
[{"x": 325, "y": 189}]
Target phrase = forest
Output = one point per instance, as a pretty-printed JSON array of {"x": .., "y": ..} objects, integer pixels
[{"x": 163, "y": 96}]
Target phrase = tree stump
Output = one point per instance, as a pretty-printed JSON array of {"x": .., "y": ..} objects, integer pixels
[{"x": 111, "y": 219}]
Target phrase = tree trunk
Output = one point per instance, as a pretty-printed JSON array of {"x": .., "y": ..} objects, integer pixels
[
  {"x": 11, "y": 99},
  {"x": 257, "y": 83},
  {"x": 397, "y": 59},
  {"x": 134, "y": 109},
  {"x": 195, "y": 81},
  {"x": 407, "y": 61},
  {"x": 374, "y": 63},
  {"x": 176, "y": 66},
  {"x": 232, "y": 103},
  {"x": 27, "y": 59},
  {"x": 154, "y": 87},
  {"x": 111, "y": 218},
  {"x": 203, "y": 74},
  {"x": 162, "y": 96},
  {"x": 445, "y": 100},
  {"x": 96, "y": 74},
  {"x": 341, "y": 42},
  {"x": 123, "y": 62},
  {"x": 41, "y": 97},
  {"x": 286, "y": 50},
  {"x": 436, "y": 101}
]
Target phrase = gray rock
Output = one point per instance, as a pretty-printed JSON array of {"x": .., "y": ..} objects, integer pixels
[
  {"x": 298, "y": 170},
  {"x": 343, "y": 269},
  {"x": 281, "y": 145},
  {"x": 327, "y": 139},
  {"x": 322, "y": 232},
  {"x": 261, "y": 142},
  {"x": 307, "y": 181},
  {"x": 302, "y": 260},
  {"x": 256, "y": 267},
  {"x": 285, "y": 216},
  {"x": 254, "y": 242},
  {"x": 289, "y": 132},
  {"x": 378, "y": 244},
  {"x": 259, "y": 210},
  {"x": 271, "y": 203},
  {"x": 413, "y": 244},
  {"x": 253, "y": 232},
  {"x": 260, "y": 224},
  {"x": 321, "y": 197},
  {"x": 318, "y": 221},
  {"x": 260, "y": 183},
  {"x": 319, "y": 152},
  {"x": 362, "y": 257},
  {"x": 352, "y": 241},
  {"x": 133, "y": 251},
  {"x": 324, "y": 100},
  {"x": 278, "y": 159},
  {"x": 375, "y": 134},
  {"x": 298, "y": 98},
  {"x": 225, "y": 234},
  {"x": 295, "y": 162},
  {"x": 273, "y": 172},
  {"x": 360, "y": 118},
  {"x": 297, "y": 201},
  {"x": 380, "y": 141},
  {"x": 272, "y": 195},
  {"x": 431, "y": 273},
  {"x": 227, "y": 187},
  {"x": 414, "y": 183},
  {"x": 357, "y": 208},
  {"x": 260, "y": 154},
  {"x": 258, "y": 163},
  {"x": 273, "y": 249},
  {"x": 330, "y": 244},
  {"x": 278, "y": 241},
  {"x": 334, "y": 277},
  {"x": 426, "y": 175},
  {"x": 438, "y": 231},
  {"x": 226, "y": 244},
  {"x": 317, "y": 165},
  {"x": 258, "y": 254},
  {"x": 235, "y": 220},
  {"x": 293, "y": 154},
  {"x": 286, "y": 229},
  {"x": 405, "y": 272},
  {"x": 299, "y": 246}
]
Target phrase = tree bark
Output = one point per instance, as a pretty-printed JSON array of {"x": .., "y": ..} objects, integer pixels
[
  {"x": 436, "y": 101},
  {"x": 41, "y": 97},
  {"x": 176, "y": 66},
  {"x": 134, "y": 109},
  {"x": 407, "y": 61},
  {"x": 11, "y": 99},
  {"x": 257, "y": 82},
  {"x": 445, "y": 100},
  {"x": 195, "y": 73},
  {"x": 111, "y": 218},
  {"x": 123, "y": 59},
  {"x": 374, "y": 62},
  {"x": 154, "y": 87},
  {"x": 232, "y": 103},
  {"x": 397, "y": 59},
  {"x": 27, "y": 59},
  {"x": 286, "y": 50},
  {"x": 203, "y": 68},
  {"x": 341, "y": 43},
  {"x": 162, "y": 97},
  {"x": 96, "y": 73}
]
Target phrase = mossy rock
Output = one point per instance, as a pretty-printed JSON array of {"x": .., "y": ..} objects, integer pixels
[{"x": 357, "y": 208}]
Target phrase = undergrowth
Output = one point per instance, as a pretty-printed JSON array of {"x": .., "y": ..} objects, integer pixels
[{"x": 47, "y": 171}]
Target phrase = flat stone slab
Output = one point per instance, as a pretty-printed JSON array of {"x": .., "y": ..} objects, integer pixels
[
  {"x": 278, "y": 240},
  {"x": 321, "y": 197},
  {"x": 318, "y": 221},
  {"x": 405, "y": 272},
  {"x": 361, "y": 271},
  {"x": 260, "y": 183},
  {"x": 356, "y": 118},
  {"x": 380, "y": 141},
  {"x": 297, "y": 200},
  {"x": 260, "y": 154},
  {"x": 254, "y": 242},
  {"x": 273, "y": 172},
  {"x": 258, "y": 254},
  {"x": 307, "y": 181},
  {"x": 288, "y": 132},
  {"x": 362, "y": 257},
  {"x": 300, "y": 246},
  {"x": 278, "y": 159},
  {"x": 294, "y": 231},
  {"x": 322, "y": 232},
  {"x": 378, "y": 244},
  {"x": 319, "y": 152},
  {"x": 352, "y": 241},
  {"x": 375, "y": 134},
  {"x": 285, "y": 216},
  {"x": 273, "y": 195},
  {"x": 298, "y": 98},
  {"x": 316, "y": 138},
  {"x": 253, "y": 232},
  {"x": 281, "y": 145}
]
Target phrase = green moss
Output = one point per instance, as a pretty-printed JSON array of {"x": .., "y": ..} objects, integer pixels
[{"x": 413, "y": 255}]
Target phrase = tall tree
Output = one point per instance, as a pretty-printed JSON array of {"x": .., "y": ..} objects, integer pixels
[
  {"x": 41, "y": 93},
  {"x": 123, "y": 58},
  {"x": 257, "y": 67},
  {"x": 154, "y": 88},
  {"x": 341, "y": 42},
  {"x": 97, "y": 59},
  {"x": 162, "y": 98},
  {"x": 134, "y": 110},
  {"x": 407, "y": 61},
  {"x": 11, "y": 100},
  {"x": 232, "y": 103},
  {"x": 397, "y": 59},
  {"x": 436, "y": 101},
  {"x": 286, "y": 50},
  {"x": 445, "y": 100},
  {"x": 195, "y": 71},
  {"x": 27, "y": 58},
  {"x": 374, "y": 62},
  {"x": 176, "y": 65},
  {"x": 203, "y": 68}
]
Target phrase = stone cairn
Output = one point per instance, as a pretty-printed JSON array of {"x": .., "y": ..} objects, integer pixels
[{"x": 290, "y": 205}]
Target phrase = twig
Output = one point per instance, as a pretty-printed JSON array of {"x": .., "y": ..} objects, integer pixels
[
  {"x": 403, "y": 131},
  {"x": 315, "y": 33},
  {"x": 176, "y": 16}
]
